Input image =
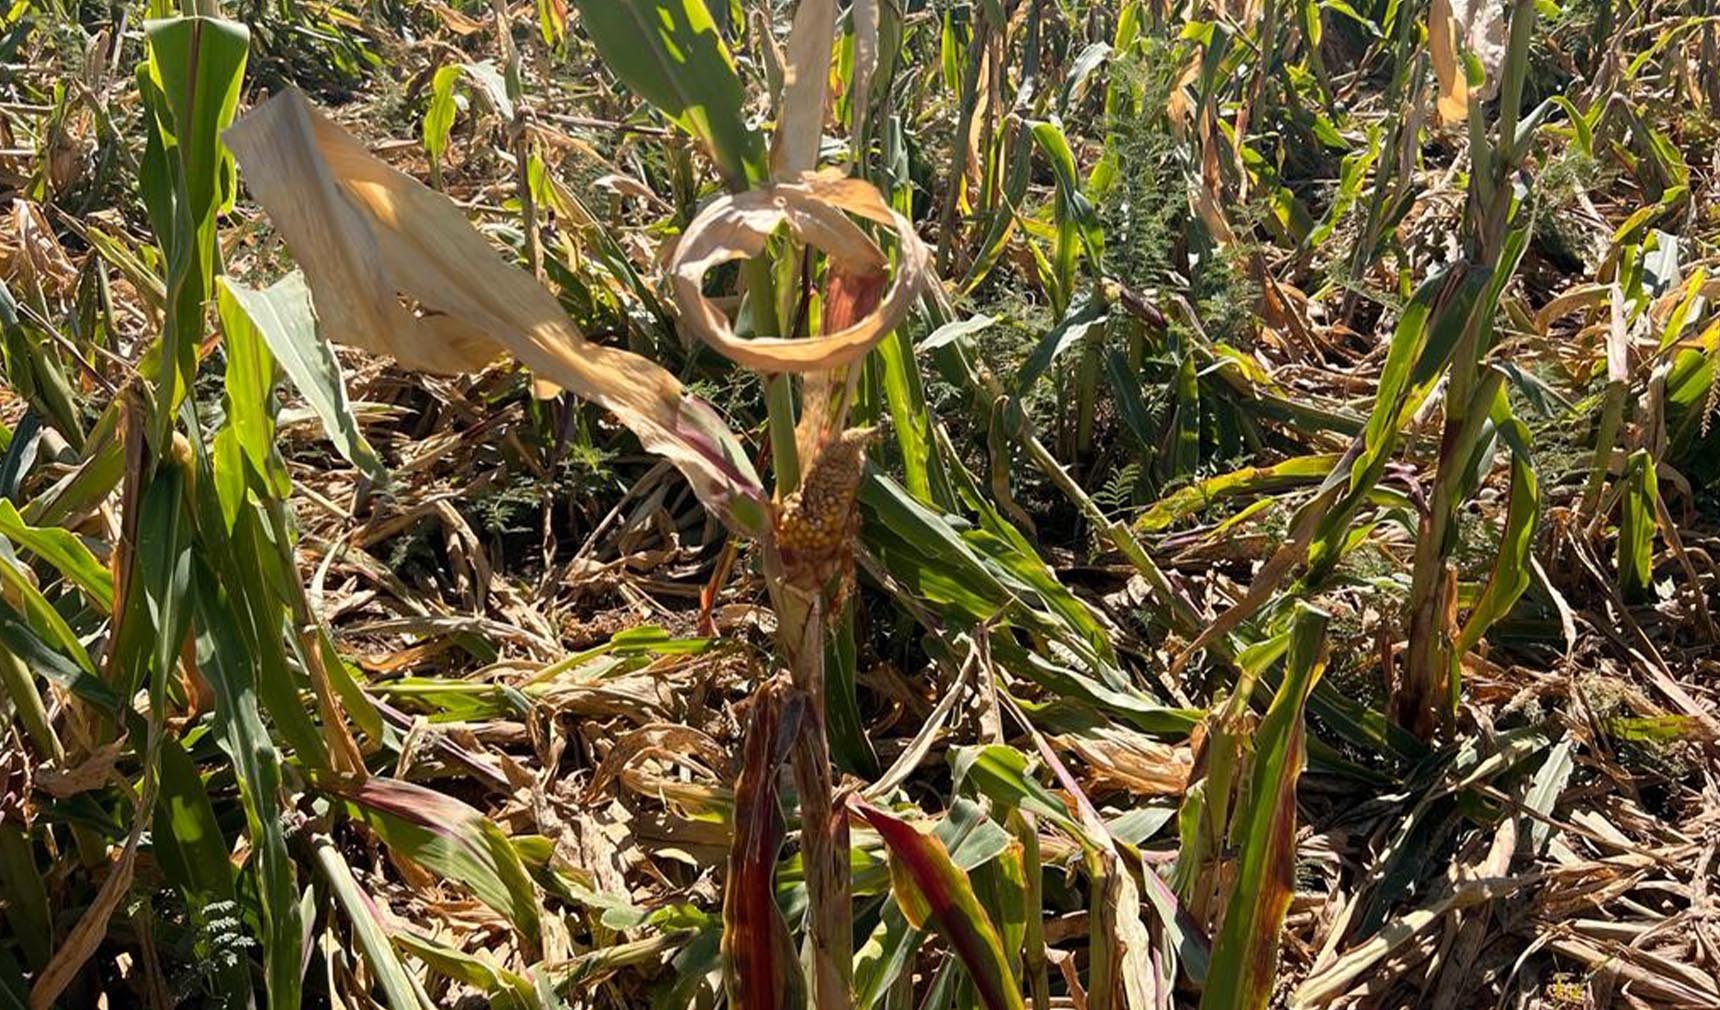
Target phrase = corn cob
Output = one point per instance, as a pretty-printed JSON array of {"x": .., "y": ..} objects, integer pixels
[{"x": 815, "y": 525}]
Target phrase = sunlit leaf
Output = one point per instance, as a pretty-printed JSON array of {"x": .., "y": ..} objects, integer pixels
[{"x": 365, "y": 234}]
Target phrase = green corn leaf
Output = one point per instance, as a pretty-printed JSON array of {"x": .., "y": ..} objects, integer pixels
[
  {"x": 1000, "y": 773},
  {"x": 190, "y": 83},
  {"x": 506, "y": 990},
  {"x": 161, "y": 584},
  {"x": 227, "y": 663},
  {"x": 881, "y": 960},
  {"x": 282, "y": 315},
  {"x": 250, "y": 386},
  {"x": 1185, "y": 456},
  {"x": 1439, "y": 299},
  {"x": 25, "y": 908},
  {"x": 979, "y": 574},
  {"x": 399, "y": 989},
  {"x": 1245, "y": 954},
  {"x": 198, "y": 63},
  {"x": 1654, "y": 729},
  {"x": 1018, "y": 175},
  {"x": 850, "y": 747},
  {"x": 84, "y": 488},
  {"x": 1637, "y": 508},
  {"x": 22, "y": 641},
  {"x": 192, "y": 851},
  {"x": 64, "y": 550},
  {"x": 1073, "y": 205},
  {"x": 1068, "y": 332},
  {"x": 41, "y": 616},
  {"x": 1080, "y": 74},
  {"x": 670, "y": 53},
  {"x": 36, "y": 372},
  {"x": 1512, "y": 569},
  {"x": 21, "y": 699},
  {"x": 911, "y": 419},
  {"x": 439, "y": 116},
  {"x": 258, "y": 580},
  {"x": 189, "y": 843},
  {"x": 1191, "y": 499},
  {"x": 1352, "y": 176}
]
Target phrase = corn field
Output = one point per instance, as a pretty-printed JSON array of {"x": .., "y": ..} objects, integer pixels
[{"x": 860, "y": 504}]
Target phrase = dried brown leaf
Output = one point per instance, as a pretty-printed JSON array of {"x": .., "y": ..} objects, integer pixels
[
  {"x": 1455, "y": 27},
  {"x": 805, "y": 89},
  {"x": 815, "y": 207},
  {"x": 372, "y": 240}
]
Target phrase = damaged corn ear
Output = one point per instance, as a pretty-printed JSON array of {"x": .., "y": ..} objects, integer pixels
[{"x": 815, "y": 523}]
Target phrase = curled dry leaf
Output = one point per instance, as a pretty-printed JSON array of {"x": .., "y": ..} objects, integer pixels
[
  {"x": 446, "y": 835},
  {"x": 395, "y": 267},
  {"x": 815, "y": 207},
  {"x": 90, "y": 774},
  {"x": 31, "y": 255},
  {"x": 1131, "y": 761}
]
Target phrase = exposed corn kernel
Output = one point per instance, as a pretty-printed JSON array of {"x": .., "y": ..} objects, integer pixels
[{"x": 815, "y": 525}]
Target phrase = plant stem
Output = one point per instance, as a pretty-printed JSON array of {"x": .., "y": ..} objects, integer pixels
[
  {"x": 1428, "y": 695},
  {"x": 964, "y": 122},
  {"x": 823, "y": 835},
  {"x": 779, "y": 395},
  {"x": 1428, "y": 663}
]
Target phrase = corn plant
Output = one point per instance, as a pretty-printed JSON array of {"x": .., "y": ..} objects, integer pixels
[{"x": 1477, "y": 410}]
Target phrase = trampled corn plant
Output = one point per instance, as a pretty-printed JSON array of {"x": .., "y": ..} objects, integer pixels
[
  {"x": 204, "y": 605},
  {"x": 1445, "y": 332},
  {"x": 364, "y": 232}
]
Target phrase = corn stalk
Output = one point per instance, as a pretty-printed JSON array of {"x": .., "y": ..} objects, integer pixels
[{"x": 1475, "y": 407}]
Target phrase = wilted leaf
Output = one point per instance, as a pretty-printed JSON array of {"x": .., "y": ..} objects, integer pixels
[
  {"x": 1456, "y": 28},
  {"x": 449, "y": 837},
  {"x": 815, "y": 208},
  {"x": 76, "y": 947},
  {"x": 366, "y": 236}
]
